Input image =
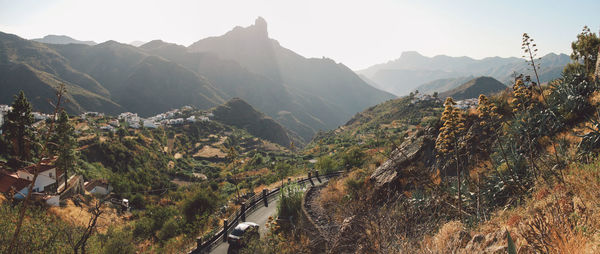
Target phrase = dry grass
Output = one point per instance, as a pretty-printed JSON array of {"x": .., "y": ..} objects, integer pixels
[
  {"x": 210, "y": 152},
  {"x": 449, "y": 239},
  {"x": 80, "y": 215}
]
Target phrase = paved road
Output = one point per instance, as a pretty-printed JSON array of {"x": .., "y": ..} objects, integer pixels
[{"x": 260, "y": 217}]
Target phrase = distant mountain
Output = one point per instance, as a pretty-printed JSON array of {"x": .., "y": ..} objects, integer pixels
[
  {"x": 37, "y": 69},
  {"x": 137, "y": 43},
  {"x": 62, "y": 39},
  {"x": 238, "y": 113},
  {"x": 442, "y": 85},
  {"x": 407, "y": 73},
  {"x": 474, "y": 88},
  {"x": 304, "y": 95}
]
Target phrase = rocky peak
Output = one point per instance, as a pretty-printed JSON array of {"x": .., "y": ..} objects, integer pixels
[{"x": 260, "y": 24}]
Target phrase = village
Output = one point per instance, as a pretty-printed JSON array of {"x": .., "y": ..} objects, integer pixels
[{"x": 52, "y": 185}]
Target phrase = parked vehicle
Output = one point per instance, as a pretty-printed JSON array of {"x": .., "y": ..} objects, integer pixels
[{"x": 240, "y": 236}]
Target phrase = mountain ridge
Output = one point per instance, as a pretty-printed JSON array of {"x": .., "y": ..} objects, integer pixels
[{"x": 411, "y": 69}]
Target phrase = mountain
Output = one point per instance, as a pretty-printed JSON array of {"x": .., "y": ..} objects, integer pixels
[
  {"x": 412, "y": 70},
  {"x": 318, "y": 93},
  {"x": 238, "y": 113},
  {"x": 303, "y": 94},
  {"x": 62, "y": 39},
  {"x": 141, "y": 82},
  {"x": 38, "y": 70},
  {"x": 475, "y": 87},
  {"x": 442, "y": 85}
]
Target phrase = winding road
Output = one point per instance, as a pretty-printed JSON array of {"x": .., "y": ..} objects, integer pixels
[{"x": 261, "y": 215}]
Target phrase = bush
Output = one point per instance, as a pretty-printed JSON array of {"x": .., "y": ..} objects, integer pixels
[
  {"x": 569, "y": 97},
  {"x": 169, "y": 230},
  {"x": 290, "y": 205},
  {"x": 326, "y": 164},
  {"x": 118, "y": 242},
  {"x": 143, "y": 228},
  {"x": 138, "y": 201},
  {"x": 199, "y": 205}
]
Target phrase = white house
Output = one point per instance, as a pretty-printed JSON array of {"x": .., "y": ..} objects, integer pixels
[
  {"x": 177, "y": 121},
  {"x": 107, "y": 128},
  {"x": 114, "y": 123},
  {"x": 191, "y": 119},
  {"x": 149, "y": 124},
  {"x": 48, "y": 176},
  {"x": 98, "y": 186}
]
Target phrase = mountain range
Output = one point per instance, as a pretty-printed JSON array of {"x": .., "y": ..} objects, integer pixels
[
  {"x": 412, "y": 71},
  {"x": 303, "y": 94}
]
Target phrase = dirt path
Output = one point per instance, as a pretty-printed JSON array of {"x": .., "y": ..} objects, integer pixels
[{"x": 326, "y": 224}]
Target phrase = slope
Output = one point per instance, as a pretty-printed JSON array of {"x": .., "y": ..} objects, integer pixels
[
  {"x": 238, "y": 113},
  {"x": 475, "y": 87},
  {"x": 38, "y": 70}
]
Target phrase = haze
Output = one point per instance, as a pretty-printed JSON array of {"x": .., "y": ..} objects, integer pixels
[{"x": 356, "y": 33}]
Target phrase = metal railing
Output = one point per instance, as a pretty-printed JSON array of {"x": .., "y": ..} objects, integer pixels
[{"x": 251, "y": 205}]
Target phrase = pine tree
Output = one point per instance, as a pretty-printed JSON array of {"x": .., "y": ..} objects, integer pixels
[
  {"x": 17, "y": 128},
  {"x": 64, "y": 145}
]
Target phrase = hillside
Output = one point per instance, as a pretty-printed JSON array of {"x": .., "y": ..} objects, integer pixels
[
  {"x": 412, "y": 70},
  {"x": 37, "y": 69},
  {"x": 475, "y": 87},
  {"x": 238, "y": 113},
  {"x": 62, "y": 39}
]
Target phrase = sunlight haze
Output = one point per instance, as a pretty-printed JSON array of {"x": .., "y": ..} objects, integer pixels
[{"x": 356, "y": 33}]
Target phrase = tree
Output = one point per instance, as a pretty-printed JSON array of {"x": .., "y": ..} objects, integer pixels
[
  {"x": 64, "y": 145},
  {"x": 17, "y": 128},
  {"x": 585, "y": 50}
]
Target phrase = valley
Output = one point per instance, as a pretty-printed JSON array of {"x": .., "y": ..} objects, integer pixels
[{"x": 196, "y": 127}]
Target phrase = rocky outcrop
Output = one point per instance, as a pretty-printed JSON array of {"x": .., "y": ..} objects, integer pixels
[{"x": 411, "y": 159}]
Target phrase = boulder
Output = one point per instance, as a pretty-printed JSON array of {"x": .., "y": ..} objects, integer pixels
[{"x": 417, "y": 150}]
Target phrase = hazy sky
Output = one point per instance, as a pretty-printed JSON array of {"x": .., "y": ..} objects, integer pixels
[{"x": 356, "y": 33}]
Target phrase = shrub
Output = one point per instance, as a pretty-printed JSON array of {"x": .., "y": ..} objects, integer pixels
[
  {"x": 290, "y": 204},
  {"x": 169, "y": 230},
  {"x": 326, "y": 164},
  {"x": 143, "y": 228},
  {"x": 118, "y": 242},
  {"x": 201, "y": 204},
  {"x": 138, "y": 201}
]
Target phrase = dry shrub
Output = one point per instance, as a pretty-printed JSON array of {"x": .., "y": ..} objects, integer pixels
[
  {"x": 332, "y": 196},
  {"x": 565, "y": 220},
  {"x": 449, "y": 239}
]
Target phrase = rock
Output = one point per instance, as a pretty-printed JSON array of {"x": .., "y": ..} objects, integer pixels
[{"x": 416, "y": 148}]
